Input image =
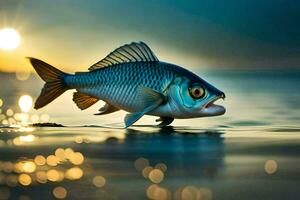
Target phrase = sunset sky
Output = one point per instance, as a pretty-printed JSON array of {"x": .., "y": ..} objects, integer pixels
[{"x": 74, "y": 34}]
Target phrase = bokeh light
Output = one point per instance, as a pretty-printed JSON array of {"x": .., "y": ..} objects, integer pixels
[
  {"x": 74, "y": 173},
  {"x": 59, "y": 192},
  {"x": 40, "y": 160},
  {"x": 9, "y": 112},
  {"x": 76, "y": 158},
  {"x": 27, "y": 138},
  {"x": 271, "y": 166},
  {"x": 52, "y": 160},
  {"x": 25, "y": 103},
  {"x": 28, "y": 166},
  {"x": 24, "y": 179},
  {"x": 22, "y": 76},
  {"x": 146, "y": 171},
  {"x": 99, "y": 181},
  {"x": 158, "y": 193},
  {"x": 53, "y": 175},
  {"x": 156, "y": 175},
  {"x": 78, "y": 139},
  {"x": 41, "y": 176},
  {"x": 60, "y": 154}
]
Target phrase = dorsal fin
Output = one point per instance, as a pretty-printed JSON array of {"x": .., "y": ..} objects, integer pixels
[
  {"x": 83, "y": 101},
  {"x": 134, "y": 52}
]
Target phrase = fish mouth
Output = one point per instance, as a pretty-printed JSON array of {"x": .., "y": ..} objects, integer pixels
[{"x": 212, "y": 109}]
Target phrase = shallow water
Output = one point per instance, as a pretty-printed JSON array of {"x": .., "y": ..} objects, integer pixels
[{"x": 252, "y": 152}]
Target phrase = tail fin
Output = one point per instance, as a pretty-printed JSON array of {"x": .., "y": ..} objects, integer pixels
[{"x": 54, "y": 85}]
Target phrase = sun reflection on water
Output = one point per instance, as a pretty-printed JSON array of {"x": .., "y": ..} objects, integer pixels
[
  {"x": 157, "y": 173},
  {"x": 10, "y": 117},
  {"x": 63, "y": 164},
  {"x": 25, "y": 103}
]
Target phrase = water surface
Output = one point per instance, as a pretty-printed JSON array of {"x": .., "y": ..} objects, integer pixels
[{"x": 252, "y": 152}]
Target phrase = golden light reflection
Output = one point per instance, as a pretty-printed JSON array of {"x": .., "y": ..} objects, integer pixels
[
  {"x": 78, "y": 139},
  {"x": 1, "y": 102},
  {"x": 74, "y": 173},
  {"x": 53, "y": 175},
  {"x": 52, "y": 160},
  {"x": 271, "y": 166},
  {"x": 151, "y": 191},
  {"x": 146, "y": 171},
  {"x": 23, "y": 139},
  {"x": 60, "y": 154},
  {"x": 193, "y": 193},
  {"x": 38, "y": 168},
  {"x": 25, "y": 103},
  {"x": 190, "y": 193},
  {"x": 156, "y": 176},
  {"x": 68, "y": 152},
  {"x": 99, "y": 181},
  {"x": 41, "y": 176},
  {"x": 9, "y": 112},
  {"x": 60, "y": 192},
  {"x": 29, "y": 166},
  {"x": 40, "y": 160},
  {"x": 27, "y": 138},
  {"x": 76, "y": 158},
  {"x": 24, "y": 179},
  {"x": 156, "y": 192}
]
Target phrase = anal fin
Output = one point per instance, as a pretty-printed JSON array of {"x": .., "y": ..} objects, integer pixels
[
  {"x": 106, "y": 109},
  {"x": 83, "y": 101}
]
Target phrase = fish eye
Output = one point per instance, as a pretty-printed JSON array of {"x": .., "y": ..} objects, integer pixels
[{"x": 197, "y": 92}]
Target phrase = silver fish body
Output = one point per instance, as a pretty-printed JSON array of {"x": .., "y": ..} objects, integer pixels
[
  {"x": 118, "y": 85},
  {"x": 132, "y": 79}
]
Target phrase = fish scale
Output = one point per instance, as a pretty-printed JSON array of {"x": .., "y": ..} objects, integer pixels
[{"x": 118, "y": 84}]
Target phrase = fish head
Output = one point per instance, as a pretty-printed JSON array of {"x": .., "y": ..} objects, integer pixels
[{"x": 194, "y": 98}]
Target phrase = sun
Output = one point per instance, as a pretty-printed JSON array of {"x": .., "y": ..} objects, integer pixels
[{"x": 9, "y": 39}]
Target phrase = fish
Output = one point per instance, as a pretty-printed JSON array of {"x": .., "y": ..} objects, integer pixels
[{"x": 133, "y": 79}]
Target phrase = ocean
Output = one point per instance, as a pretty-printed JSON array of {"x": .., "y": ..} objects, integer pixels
[{"x": 251, "y": 152}]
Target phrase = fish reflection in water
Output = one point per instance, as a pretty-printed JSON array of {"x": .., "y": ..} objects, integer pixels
[{"x": 99, "y": 165}]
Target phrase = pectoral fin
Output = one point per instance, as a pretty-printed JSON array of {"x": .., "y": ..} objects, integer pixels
[
  {"x": 151, "y": 99},
  {"x": 165, "y": 121},
  {"x": 106, "y": 109}
]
